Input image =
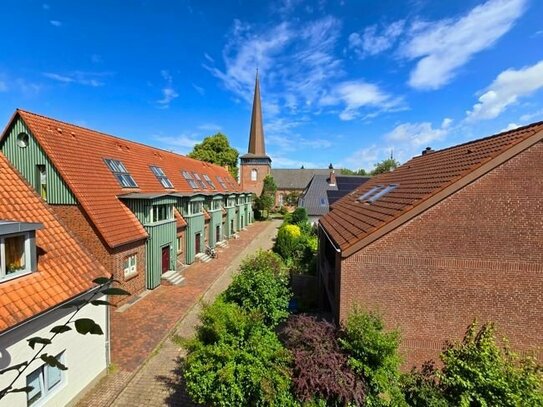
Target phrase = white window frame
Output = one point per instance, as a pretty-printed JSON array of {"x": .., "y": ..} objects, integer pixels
[
  {"x": 179, "y": 243},
  {"x": 169, "y": 213},
  {"x": 27, "y": 259},
  {"x": 196, "y": 207},
  {"x": 254, "y": 174},
  {"x": 130, "y": 265},
  {"x": 43, "y": 372}
]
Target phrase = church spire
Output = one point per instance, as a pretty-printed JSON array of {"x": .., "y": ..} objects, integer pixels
[{"x": 256, "y": 136}]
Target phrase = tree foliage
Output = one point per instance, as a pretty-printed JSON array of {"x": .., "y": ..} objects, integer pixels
[
  {"x": 236, "y": 360},
  {"x": 262, "y": 286},
  {"x": 287, "y": 241},
  {"x": 320, "y": 369},
  {"x": 346, "y": 171},
  {"x": 217, "y": 150},
  {"x": 373, "y": 353},
  {"x": 422, "y": 388},
  {"x": 266, "y": 201},
  {"x": 386, "y": 165}
]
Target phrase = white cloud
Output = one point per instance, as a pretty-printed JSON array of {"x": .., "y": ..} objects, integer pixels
[
  {"x": 94, "y": 79},
  {"x": 182, "y": 144},
  {"x": 209, "y": 127},
  {"x": 442, "y": 47},
  {"x": 371, "y": 43},
  {"x": 506, "y": 90},
  {"x": 537, "y": 115},
  {"x": 168, "y": 92},
  {"x": 365, "y": 158},
  {"x": 418, "y": 134},
  {"x": 355, "y": 95},
  {"x": 199, "y": 89},
  {"x": 510, "y": 126},
  {"x": 55, "y": 23},
  {"x": 96, "y": 59},
  {"x": 284, "y": 162}
]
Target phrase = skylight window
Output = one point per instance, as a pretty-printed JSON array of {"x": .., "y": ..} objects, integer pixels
[
  {"x": 208, "y": 180},
  {"x": 188, "y": 177},
  {"x": 119, "y": 170},
  {"x": 382, "y": 192},
  {"x": 221, "y": 181},
  {"x": 365, "y": 196},
  {"x": 164, "y": 180},
  {"x": 199, "y": 181}
]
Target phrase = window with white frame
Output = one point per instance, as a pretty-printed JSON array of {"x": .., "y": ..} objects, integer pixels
[
  {"x": 121, "y": 173},
  {"x": 130, "y": 265},
  {"x": 14, "y": 255},
  {"x": 190, "y": 180},
  {"x": 254, "y": 174},
  {"x": 161, "y": 212},
  {"x": 231, "y": 201},
  {"x": 196, "y": 207},
  {"x": 45, "y": 380},
  {"x": 162, "y": 178},
  {"x": 216, "y": 204},
  {"x": 179, "y": 244},
  {"x": 210, "y": 183}
]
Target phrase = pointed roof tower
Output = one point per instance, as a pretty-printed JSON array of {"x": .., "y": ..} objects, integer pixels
[{"x": 256, "y": 135}]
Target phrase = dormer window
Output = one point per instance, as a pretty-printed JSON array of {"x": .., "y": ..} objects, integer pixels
[
  {"x": 190, "y": 180},
  {"x": 121, "y": 173},
  {"x": 221, "y": 181},
  {"x": 17, "y": 248},
  {"x": 164, "y": 180},
  {"x": 210, "y": 183},
  {"x": 199, "y": 181}
]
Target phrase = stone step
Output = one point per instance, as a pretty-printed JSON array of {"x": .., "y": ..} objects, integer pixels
[
  {"x": 203, "y": 258},
  {"x": 222, "y": 243},
  {"x": 173, "y": 277}
]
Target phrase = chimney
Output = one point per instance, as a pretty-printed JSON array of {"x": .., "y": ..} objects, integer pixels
[
  {"x": 427, "y": 150},
  {"x": 332, "y": 178}
]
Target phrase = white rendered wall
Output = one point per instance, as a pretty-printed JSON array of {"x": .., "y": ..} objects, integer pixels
[{"x": 85, "y": 356}]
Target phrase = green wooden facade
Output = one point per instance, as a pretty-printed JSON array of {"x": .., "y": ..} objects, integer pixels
[
  {"x": 195, "y": 226},
  {"x": 215, "y": 220},
  {"x": 26, "y": 160},
  {"x": 231, "y": 221}
]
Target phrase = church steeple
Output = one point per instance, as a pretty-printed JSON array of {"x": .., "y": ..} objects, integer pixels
[{"x": 256, "y": 135}]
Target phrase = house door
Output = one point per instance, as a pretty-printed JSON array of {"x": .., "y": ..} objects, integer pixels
[
  {"x": 217, "y": 233},
  {"x": 232, "y": 227},
  {"x": 197, "y": 246},
  {"x": 165, "y": 259}
]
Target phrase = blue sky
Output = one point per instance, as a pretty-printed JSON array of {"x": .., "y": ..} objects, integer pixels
[{"x": 345, "y": 82}]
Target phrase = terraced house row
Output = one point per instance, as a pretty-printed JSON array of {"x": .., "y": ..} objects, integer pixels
[{"x": 141, "y": 211}]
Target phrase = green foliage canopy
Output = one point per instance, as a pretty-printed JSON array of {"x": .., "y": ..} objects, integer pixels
[
  {"x": 386, "y": 165},
  {"x": 217, "y": 150}
]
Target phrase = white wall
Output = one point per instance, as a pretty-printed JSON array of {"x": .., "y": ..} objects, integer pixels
[{"x": 85, "y": 356}]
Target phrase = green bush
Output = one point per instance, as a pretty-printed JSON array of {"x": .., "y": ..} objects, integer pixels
[
  {"x": 374, "y": 355},
  {"x": 478, "y": 372},
  {"x": 287, "y": 241},
  {"x": 235, "y": 360},
  {"x": 299, "y": 216},
  {"x": 422, "y": 389},
  {"x": 262, "y": 285}
]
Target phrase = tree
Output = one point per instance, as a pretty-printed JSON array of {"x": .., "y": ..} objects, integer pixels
[
  {"x": 386, "y": 165},
  {"x": 346, "y": 171},
  {"x": 262, "y": 286},
  {"x": 217, "y": 150},
  {"x": 236, "y": 360},
  {"x": 265, "y": 202},
  {"x": 374, "y": 355},
  {"x": 83, "y": 326}
]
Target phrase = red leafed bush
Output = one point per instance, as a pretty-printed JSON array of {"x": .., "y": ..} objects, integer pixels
[{"x": 320, "y": 369}]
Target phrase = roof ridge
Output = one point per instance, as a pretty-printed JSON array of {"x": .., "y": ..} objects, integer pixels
[
  {"x": 500, "y": 134},
  {"x": 18, "y": 110}
]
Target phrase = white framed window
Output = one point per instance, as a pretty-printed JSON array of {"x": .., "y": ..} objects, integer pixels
[
  {"x": 254, "y": 174},
  {"x": 196, "y": 207},
  {"x": 130, "y": 265},
  {"x": 45, "y": 380},
  {"x": 14, "y": 255},
  {"x": 179, "y": 244},
  {"x": 161, "y": 212},
  {"x": 231, "y": 201}
]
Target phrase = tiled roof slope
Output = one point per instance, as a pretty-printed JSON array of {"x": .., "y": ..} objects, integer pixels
[
  {"x": 64, "y": 269},
  {"x": 295, "y": 178},
  {"x": 78, "y": 154},
  {"x": 419, "y": 179}
]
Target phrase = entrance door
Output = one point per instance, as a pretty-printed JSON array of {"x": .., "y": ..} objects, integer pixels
[
  {"x": 232, "y": 226},
  {"x": 165, "y": 259},
  {"x": 197, "y": 247},
  {"x": 217, "y": 233}
]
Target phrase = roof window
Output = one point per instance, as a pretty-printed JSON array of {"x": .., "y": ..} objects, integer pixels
[
  {"x": 221, "y": 181},
  {"x": 188, "y": 177},
  {"x": 202, "y": 183},
  {"x": 369, "y": 193},
  {"x": 380, "y": 192},
  {"x": 120, "y": 172},
  {"x": 164, "y": 180},
  {"x": 210, "y": 183}
]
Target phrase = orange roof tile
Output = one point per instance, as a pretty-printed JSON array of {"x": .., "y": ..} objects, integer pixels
[
  {"x": 78, "y": 154},
  {"x": 64, "y": 270},
  {"x": 421, "y": 178}
]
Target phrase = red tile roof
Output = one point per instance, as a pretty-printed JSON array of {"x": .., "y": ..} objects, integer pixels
[
  {"x": 350, "y": 221},
  {"x": 78, "y": 154},
  {"x": 64, "y": 270}
]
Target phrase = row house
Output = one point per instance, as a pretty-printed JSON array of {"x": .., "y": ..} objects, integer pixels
[
  {"x": 449, "y": 236},
  {"x": 141, "y": 211},
  {"x": 43, "y": 268}
]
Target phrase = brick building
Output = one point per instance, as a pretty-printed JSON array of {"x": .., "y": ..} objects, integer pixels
[
  {"x": 43, "y": 267},
  {"x": 141, "y": 211},
  {"x": 449, "y": 236}
]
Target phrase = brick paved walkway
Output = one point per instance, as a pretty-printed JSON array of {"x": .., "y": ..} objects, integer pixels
[{"x": 138, "y": 332}]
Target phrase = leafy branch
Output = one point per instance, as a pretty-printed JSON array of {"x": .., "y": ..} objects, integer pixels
[{"x": 82, "y": 325}]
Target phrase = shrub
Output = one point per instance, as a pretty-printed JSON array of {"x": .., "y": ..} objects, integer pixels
[
  {"x": 422, "y": 389},
  {"x": 287, "y": 241},
  {"x": 299, "y": 216},
  {"x": 235, "y": 360},
  {"x": 262, "y": 286},
  {"x": 477, "y": 372},
  {"x": 374, "y": 355},
  {"x": 321, "y": 375}
]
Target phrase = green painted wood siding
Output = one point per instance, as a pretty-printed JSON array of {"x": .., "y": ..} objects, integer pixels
[
  {"x": 160, "y": 235},
  {"x": 230, "y": 215},
  {"x": 26, "y": 159},
  {"x": 141, "y": 208},
  {"x": 195, "y": 225},
  {"x": 214, "y": 221}
]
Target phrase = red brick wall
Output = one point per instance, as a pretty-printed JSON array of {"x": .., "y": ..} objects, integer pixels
[
  {"x": 479, "y": 253},
  {"x": 245, "y": 177},
  {"x": 78, "y": 223}
]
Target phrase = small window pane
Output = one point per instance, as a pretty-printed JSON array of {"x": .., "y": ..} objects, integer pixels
[
  {"x": 15, "y": 254},
  {"x": 34, "y": 380},
  {"x": 53, "y": 376}
]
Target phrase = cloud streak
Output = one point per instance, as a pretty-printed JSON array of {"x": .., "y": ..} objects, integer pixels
[
  {"x": 93, "y": 79},
  {"x": 168, "y": 92}
]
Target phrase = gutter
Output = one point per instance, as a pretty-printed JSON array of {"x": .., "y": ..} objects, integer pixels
[{"x": 329, "y": 239}]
